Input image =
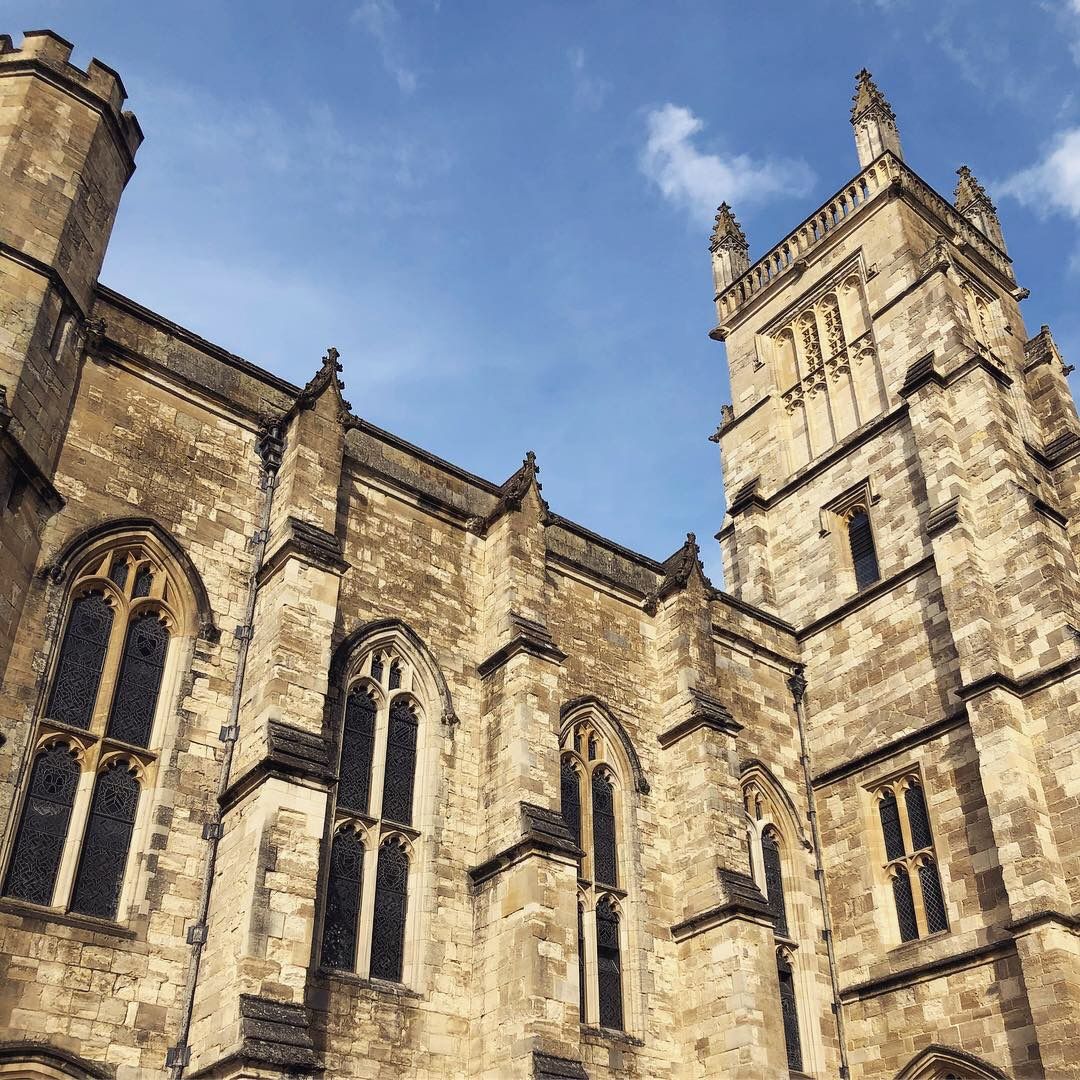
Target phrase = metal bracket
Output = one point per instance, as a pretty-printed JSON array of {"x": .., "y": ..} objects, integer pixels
[
  {"x": 230, "y": 733},
  {"x": 178, "y": 1057},
  {"x": 196, "y": 934},
  {"x": 243, "y": 632},
  {"x": 213, "y": 830}
]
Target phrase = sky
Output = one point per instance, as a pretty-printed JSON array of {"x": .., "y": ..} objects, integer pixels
[{"x": 499, "y": 212}]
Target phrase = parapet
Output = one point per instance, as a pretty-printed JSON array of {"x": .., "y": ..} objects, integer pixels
[{"x": 48, "y": 53}]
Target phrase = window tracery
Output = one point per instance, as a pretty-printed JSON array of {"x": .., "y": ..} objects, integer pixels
[{"x": 95, "y": 740}]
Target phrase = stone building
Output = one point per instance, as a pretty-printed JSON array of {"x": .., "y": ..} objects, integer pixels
[{"x": 326, "y": 757}]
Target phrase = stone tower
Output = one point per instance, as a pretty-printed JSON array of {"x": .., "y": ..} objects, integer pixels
[
  {"x": 66, "y": 151},
  {"x": 901, "y": 476}
]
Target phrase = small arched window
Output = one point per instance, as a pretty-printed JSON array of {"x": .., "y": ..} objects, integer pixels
[
  {"x": 357, "y": 749},
  {"x": 609, "y": 965},
  {"x": 789, "y": 1010},
  {"x": 774, "y": 879},
  {"x": 863, "y": 552},
  {"x": 605, "y": 850},
  {"x": 391, "y": 901},
  {"x": 128, "y": 599}
]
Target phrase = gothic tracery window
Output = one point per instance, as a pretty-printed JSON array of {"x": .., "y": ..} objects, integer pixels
[
  {"x": 94, "y": 744},
  {"x": 592, "y": 792},
  {"x": 910, "y": 867},
  {"x": 366, "y": 913}
]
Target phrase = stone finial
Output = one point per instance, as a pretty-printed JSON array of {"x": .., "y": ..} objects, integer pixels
[
  {"x": 873, "y": 120},
  {"x": 730, "y": 251},
  {"x": 971, "y": 200}
]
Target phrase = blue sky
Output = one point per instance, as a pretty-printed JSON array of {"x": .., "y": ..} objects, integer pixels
[{"x": 499, "y": 212}]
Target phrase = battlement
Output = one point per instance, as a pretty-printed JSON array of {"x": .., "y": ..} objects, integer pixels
[{"x": 48, "y": 54}]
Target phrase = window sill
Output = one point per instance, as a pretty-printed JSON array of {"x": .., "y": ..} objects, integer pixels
[
  {"x": 53, "y": 915},
  {"x": 610, "y": 1035},
  {"x": 910, "y": 946},
  {"x": 378, "y": 986}
]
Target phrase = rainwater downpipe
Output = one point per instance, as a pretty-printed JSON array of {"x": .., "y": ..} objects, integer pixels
[
  {"x": 268, "y": 446},
  {"x": 797, "y": 685}
]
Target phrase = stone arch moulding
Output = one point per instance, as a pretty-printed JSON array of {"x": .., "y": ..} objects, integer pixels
[
  {"x": 569, "y": 712},
  {"x": 934, "y": 1060},
  {"x": 117, "y": 528},
  {"x": 31, "y": 1059},
  {"x": 372, "y": 633},
  {"x": 755, "y": 769}
]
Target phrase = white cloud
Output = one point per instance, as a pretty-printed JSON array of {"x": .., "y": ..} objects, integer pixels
[
  {"x": 380, "y": 18},
  {"x": 589, "y": 89},
  {"x": 698, "y": 181},
  {"x": 1052, "y": 184}
]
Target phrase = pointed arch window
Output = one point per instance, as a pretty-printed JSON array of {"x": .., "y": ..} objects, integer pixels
[
  {"x": 863, "y": 552},
  {"x": 774, "y": 879},
  {"x": 95, "y": 741},
  {"x": 789, "y": 1010},
  {"x": 366, "y": 908},
  {"x": 911, "y": 866},
  {"x": 592, "y": 795}
]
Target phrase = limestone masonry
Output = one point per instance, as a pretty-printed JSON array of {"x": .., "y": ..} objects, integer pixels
[{"x": 325, "y": 757}]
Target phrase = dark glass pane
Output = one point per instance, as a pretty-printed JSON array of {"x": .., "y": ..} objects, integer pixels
[
  {"x": 357, "y": 748},
  {"x": 593, "y": 748},
  {"x": 39, "y": 842},
  {"x": 890, "y": 826},
  {"x": 581, "y": 962},
  {"x": 105, "y": 845},
  {"x": 82, "y": 656},
  {"x": 774, "y": 881},
  {"x": 905, "y": 906},
  {"x": 343, "y": 901},
  {"x": 391, "y": 897},
  {"x": 376, "y": 668},
  {"x": 139, "y": 682},
  {"x": 119, "y": 572},
  {"x": 605, "y": 854},
  {"x": 571, "y": 799},
  {"x": 790, "y": 1014},
  {"x": 609, "y": 966},
  {"x": 144, "y": 579},
  {"x": 400, "y": 763},
  {"x": 933, "y": 901},
  {"x": 918, "y": 820},
  {"x": 395, "y": 675},
  {"x": 863, "y": 555}
]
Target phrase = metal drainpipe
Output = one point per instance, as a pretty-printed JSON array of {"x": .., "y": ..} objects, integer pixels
[
  {"x": 268, "y": 447},
  {"x": 797, "y": 685}
]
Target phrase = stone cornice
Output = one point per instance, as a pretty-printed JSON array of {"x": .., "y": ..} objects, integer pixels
[
  {"x": 708, "y": 713},
  {"x": 744, "y": 900},
  {"x": 309, "y": 543},
  {"x": 22, "y": 463},
  {"x": 544, "y": 834},
  {"x": 531, "y": 638},
  {"x": 293, "y": 755},
  {"x": 1021, "y": 688}
]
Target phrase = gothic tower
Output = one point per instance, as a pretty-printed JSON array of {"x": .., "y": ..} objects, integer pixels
[
  {"x": 66, "y": 151},
  {"x": 900, "y": 468}
]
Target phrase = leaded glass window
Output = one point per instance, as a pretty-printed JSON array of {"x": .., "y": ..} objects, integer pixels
[
  {"x": 391, "y": 901},
  {"x": 340, "y": 924},
  {"x": 395, "y": 675},
  {"x": 790, "y": 1013},
  {"x": 609, "y": 965},
  {"x": 581, "y": 961},
  {"x": 400, "y": 762},
  {"x": 774, "y": 880},
  {"x": 144, "y": 581},
  {"x": 918, "y": 819},
  {"x": 933, "y": 901},
  {"x": 106, "y": 842},
  {"x": 605, "y": 852},
  {"x": 139, "y": 683},
  {"x": 357, "y": 750},
  {"x": 82, "y": 658},
  {"x": 119, "y": 572},
  {"x": 43, "y": 828},
  {"x": 890, "y": 826},
  {"x": 905, "y": 905},
  {"x": 863, "y": 552},
  {"x": 571, "y": 798}
]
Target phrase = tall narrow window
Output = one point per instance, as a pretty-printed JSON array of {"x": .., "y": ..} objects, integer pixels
[
  {"x": 774, "y": 880},
  {"x": 391, "y": 901},
  {"x": 789, "y": 1011},
  {"x": 39, "y": 843},
  {"x": 581, "y": 961},
  {"x": 82, "y": 657},
  {"x": 863, "y": 552},
  {"x": 911, "y": 863},
  {"x": 343, "y": 900},
  {"x": 609, "y": 965},
  {"x": 357, "y": 750},
  {"x": 570, "y": 792},
  {"x": 400, "y": 763},
  {"x": 106, "y": 843},
  {"x": 139, "y": 682},
  {"x": 605, "y": 852}
]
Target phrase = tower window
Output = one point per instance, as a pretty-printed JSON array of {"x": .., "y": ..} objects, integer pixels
[
  {"x": 863, "y": 553},
  {"x": 789, "y": 1011}
]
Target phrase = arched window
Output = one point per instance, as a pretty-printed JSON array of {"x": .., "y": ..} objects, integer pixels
[
  {"x": 591, "y": 771},
  {"x": 367, "y": 908},
  {"x": 128, "y": 600},
  {"x": 789, "y": 1010},
  {"x": 910, "y": 866},
  {"x": 774, "y": 879},
  {"x": 863, "y": 552}
]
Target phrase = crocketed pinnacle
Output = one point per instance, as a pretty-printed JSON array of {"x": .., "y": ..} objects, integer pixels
[
  {"x": 727, "y": 232},
  {"x": 969, "y": 190},
  {"x": 867, "y": 96}
]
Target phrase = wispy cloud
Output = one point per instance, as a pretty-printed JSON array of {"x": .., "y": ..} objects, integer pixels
[
  {"x": 589, "y": 90},
  {"x": 697, "y": 180},
  {"x": 381, "y": 19}
]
